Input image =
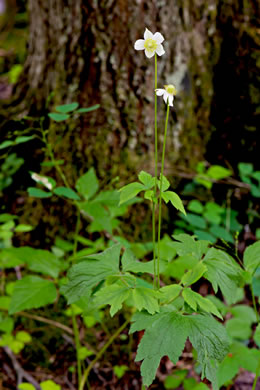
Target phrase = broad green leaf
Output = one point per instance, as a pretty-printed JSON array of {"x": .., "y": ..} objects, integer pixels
[
  {"x": 120, "y": 370},
  {"x": 38, "y": 260},
  {"x": 38, "y": 193},
  {"x": 166, "y": 336},
  {"x": 9, "y": 258},
  {"x": 6, "y": 324},
  {"x": 257, "y": 335},
  {"x": 87, "y": 185},
  {"x": 147, "y": 179},
  {"x": 145, "y": 299},
  {"x": 211, "y": 342},
  {"x": 244, "y": 312},
  {"x": 194, "y": 274},
  {"x": 88, "y": 109},
  {"x": 252, "y": 257},
  {"x": 217, "y": 172},
  {"x": 175, "y": 380},
  {"x": 23, "y": 336},
  {"x": 195, "y": 220},
  {"x": 165, "y": 183},
  {"x": 245, "y": 168},
  {"x": 149, "y": 195},
  {"x": 26, "y": 386},
  {"x": 66, "y": 192},
  {"x": 90, "y": 271},
  {"x": 67, "y": 107},
  {"x": 194, "y": 299},
  {"x": 195, "y": 206},
  {"x": 221, "y": 233},
  {"x": 130, "y": 191},
  {"x": 169, "y": 293},
  {"x": 6, "y": 144},
  {"x": 32, "y": 292},
  {"x": 23, "y": 138},
  {"x": 49, "y": 385},
  {"x": 239, "y": 329},
  {"x": 223, "y": 272},
  {"x": 174, "y": 199},
  {"x": 22, "y": 228},
  {"x": 58, "y": 117},
  {"x": 113, "y": 295},
  {"x": 187, "y": 245}
]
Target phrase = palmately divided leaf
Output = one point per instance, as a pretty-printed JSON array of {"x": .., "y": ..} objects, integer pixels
[
  {"x": 252, "y": 257},
  {"x": 90, "y": 271},
  {"x": 114, "y": 295},
  {"x": 194, "y": 299},
  {"x": 210, "y": 340},
  {"x": 166, "y": 336},
  {"x": 130, "y": 191},
  {"x": 131, "y": 264},
  {"x": 169, "y": 293},
  {"x": 187, "y": 245},
  {"x": 32, "y": 292},
  {"x": 223, "y": 272},
  {"x": 174, "y": 199}
]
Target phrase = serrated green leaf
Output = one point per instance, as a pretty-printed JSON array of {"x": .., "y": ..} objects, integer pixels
[
  {"x": 194, "y": 299},
  {"x": 32, "y": 292},
  {"x": 166, "y": 336},
  {"x": 210, "y": 340},
  {"x": 223, "y": 272},
  {"x": 187, "y": 245},
  {"x": 67, "y": 107},
  {"x": 87, "y": 185},
  {"x": 146, "y": 179},
  {"x": 113, "y": 295},
  {"x": 145, "y": 299},
  {"x": 174, "y": 199},
  {"x": 58, "y": 117},
  {"x": 84, "y": 110},
  {"x": 165, "y": 183},
  {"x": 38, "y": 193},
  {"x": 169, "y": 293},
  {"x": 252, "y": 257},
  {"x": 90, "y": 271},
  {"x": 194, "y": 274},
  {"x": 66, "y": 192},
  {"x": 130, "y": 191}
]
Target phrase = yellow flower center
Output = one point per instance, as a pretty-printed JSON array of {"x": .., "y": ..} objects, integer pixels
[
  {"x": 150, "y": 44},
  {"x": 171, "y": 89}
]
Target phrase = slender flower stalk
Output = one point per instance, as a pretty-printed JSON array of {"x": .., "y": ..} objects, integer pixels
[{"x": 160, "y": 195}]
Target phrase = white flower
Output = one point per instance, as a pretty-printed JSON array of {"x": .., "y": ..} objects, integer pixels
[
  {"x": 43, "y": 180},
  {"x": 168, "y": 93},
  {"x": 150, "y": 44}
]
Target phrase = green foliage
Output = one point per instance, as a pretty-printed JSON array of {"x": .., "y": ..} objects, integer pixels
[
  {"x": 10, "y": 166},
  {"x": 206, "y": 177},
  {"x": 252, "y": 257},
  {"x": 32, "y": 292},
  {"x": 251, "y": 177},
  {"x": 66, "y": 110},
  {"x": 87, "y": 185},
  {"x": 66, "y": 192},
  {"x": 120, "y": 371}
]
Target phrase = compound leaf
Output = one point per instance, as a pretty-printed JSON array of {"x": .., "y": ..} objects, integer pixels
[
  {"x": 145, "y": 298},
  {"x": 174, "y": 199},
  {"x": 130, "y": 191},
  {"x": 114, "y": 295},
  {"x": 252, "y": 257}
]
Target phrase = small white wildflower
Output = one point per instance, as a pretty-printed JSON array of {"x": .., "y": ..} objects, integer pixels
[
  {"x": 41, "y": 179},
  {"x": 168, "y": 93},
  {"x": 152, "y": 43}
]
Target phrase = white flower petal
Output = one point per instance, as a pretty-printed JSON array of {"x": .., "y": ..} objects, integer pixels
[
  {"x": 159, "y": 91},
  {"x": 165, "y": 96},
  {"x": 170, "y": 100},
  {"x": 148, "y": 34},
  {"x": 158, "y": 37},
  {"x": 160, "y": 50},
  {"x": 149, "y": 53},
  {"x": 139, "y": 44}
]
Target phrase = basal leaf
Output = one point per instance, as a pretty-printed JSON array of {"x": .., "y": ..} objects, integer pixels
[
  {"x": 166, "y": 336},
  {"x": 130, "y": 191},
  {"x": 194, "y": 299},
  {"x": 90, "y": 271},
  {"x": 66, "y": 192},
  {"x": 210, "y": 340},
  {"x": 174, "y": 199},
  {"x": 87, "y": 185},
  {"x": 169, "y": 293},
  {"x": 145, "y": 299},
  {"x": 187, "y": 245},
  {"x": 252, "y": 257},
  {"x": 32, "y": 292}
]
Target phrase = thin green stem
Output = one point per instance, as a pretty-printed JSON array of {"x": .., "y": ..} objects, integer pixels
[
  {"x": 100, "y": 353},
  {"x": 254, "y": 302},
  {"x": 256, "y": 376},
  {"x": 156, "y": 166},
  {"x": 160, "y": 195},
  {"x": 77, "y": 344}
]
